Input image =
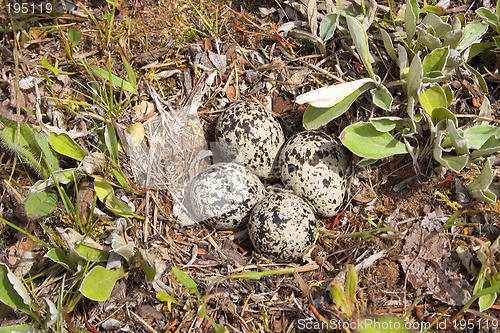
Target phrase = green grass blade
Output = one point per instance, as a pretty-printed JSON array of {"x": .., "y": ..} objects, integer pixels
[
  {"x": 34, "y": 238},
  {"x": 186, "y": 281}
]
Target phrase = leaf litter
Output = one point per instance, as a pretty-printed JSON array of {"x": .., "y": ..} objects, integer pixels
[{"x": 429, "y": 261}]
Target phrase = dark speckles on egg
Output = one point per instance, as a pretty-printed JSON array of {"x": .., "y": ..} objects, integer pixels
[
  {"x": 256, "y": 133},
  {"x": 223, "y": 195},
  {"x": 282, "y": 227},
  {"x": 320, "y": 175}
]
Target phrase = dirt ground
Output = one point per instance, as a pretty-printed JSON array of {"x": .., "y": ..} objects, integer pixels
[{"x": 390, "y": 227}]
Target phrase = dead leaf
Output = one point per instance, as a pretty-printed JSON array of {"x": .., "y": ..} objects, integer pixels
[
  {"x": 281, "y": 104},
  {"x": 429, "y": 263},
  {"x": 231, "y": 93},
  {"x": 85, "y": 200},
  {"x": 140, "y": 110},
  {"x": 16, "y": 251}
]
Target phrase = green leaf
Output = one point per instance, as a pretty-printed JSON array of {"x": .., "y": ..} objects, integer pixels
[
  {"x": 351, "y": 284},
  {"x": 436, "y": 60},
  {"x": 489, "y": 17},
  {"x": 479, "y": 48},
  {"x": 74, "y": 36},
  {"x": 387, "y": 124},
  {"x": 117, "y": 81},
  {"x": 491, "y": 146},
  {"x": 40, "y": 204},
  {"x": 23, "y": 145},
  {"x": 120, "y": 177},
  {"x": 30, "y": 146},
  {"x": 99, "y": 282},
  {"x": 452, "y": 162},
  {"x": 458, "y": 22},
  {"x": 457, "y": 139},
  {"x": 169, "y": 299},
  {"x": 106, "y": 194},
  {"x": 472, "y": 33},
  {"x": 91, "y": 253},
  {"x": 389, "y": 47},
  {"x": 493, "y": 289},
  {"x": 186, "y": 281},
  {"x": 410, "y": 110},
  {"x": 103, "y": 189},
  {"x": 45, "y": 63},
  {"x": 202, "y": 311},
  {"x": 478, "y": 135},
  {"x": 485, "y": 110},
  {"x": 49, "y": 156},
  {"x": 12, "y": 291},
  {"x": 65, "y": 145},
  {"x": 148, "y": 270},
  {"x": 127, "y": 251},
  {"x": 367, "y": 161},
  {"x": 329, "y": 96},
  {"x": 328, "y": 25},
  {"x": 63, "y": 258},
  {"x": 432, "y": 98},
  {"x": 479, "y": 77},
  {"x": 52, "y": 312},
  {"x": 486, "y": 301},
  {"x": 415, "y": 76},
  {"x": 120, "y": 207},
  {"x": 411, "y": 16},
  {"x": 441, "y": 154},
  {"x": 402, "y": 61},
  {"x": 339, "y": 298},
  {"x": 130, "y": 71},
  {"x": 360, "y": 39},
  {"x": 383, "y": 324},
  {"x": 434, "y": 77},
  {"x": 497, "y": 9},
  {"x": 449, "y": 94},
  {"x": 25, "y": 328},
  {"x": 112, "y": 142},
  {"x": 430, "y": 41},
  {"x": 364, "y": 140},
  {"x": 438, "y": 25},
  {"x": 315, "y": 117},
  {"x": 452, "y": 38},
  {"x": 497, "y": 41},
  {"x": 441, "y": 113},
  {"x": 433, "y": 10},
  {"x": 382, "y": 97},
  {"x": 218, "y": 328},
  {"x": 478, "y": 188}
]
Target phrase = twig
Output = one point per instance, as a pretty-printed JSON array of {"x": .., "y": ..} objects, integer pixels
[{"x": 264, "y": 32}]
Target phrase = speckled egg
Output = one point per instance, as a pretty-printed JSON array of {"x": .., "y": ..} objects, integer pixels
[
  {"x": 249, "y": 133},
  {"x": 314, "y": 166},
  {"x": 223, "y": 195},
  {"x": 282, "y": 227}
]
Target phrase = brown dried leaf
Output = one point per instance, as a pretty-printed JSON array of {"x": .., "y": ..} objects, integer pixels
[
  {"x": 231, "y": 93},
  {"x": 429, "y": 264}
]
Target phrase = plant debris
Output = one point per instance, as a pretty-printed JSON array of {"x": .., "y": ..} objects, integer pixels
[{"x": 429, "y": 261}]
